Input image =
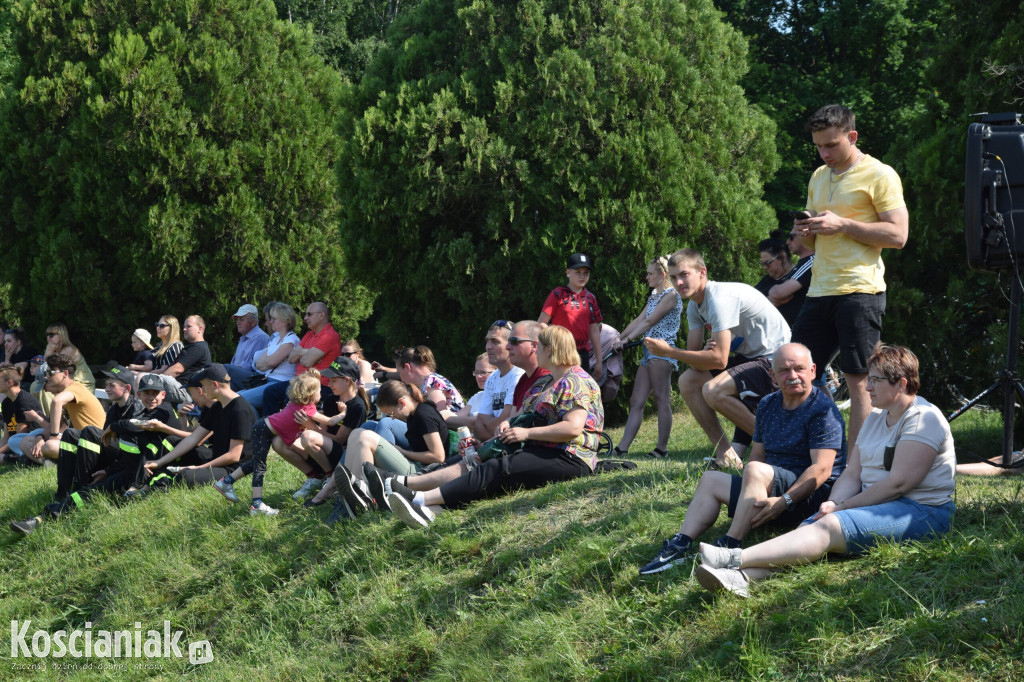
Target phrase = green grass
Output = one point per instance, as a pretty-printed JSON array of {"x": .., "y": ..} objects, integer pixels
[{"x": 541, "y": 585}]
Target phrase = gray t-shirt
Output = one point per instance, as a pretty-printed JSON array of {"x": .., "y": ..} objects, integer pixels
[
  {"x": 758, "y": 328},
  {"x": 924, "y": 423}
]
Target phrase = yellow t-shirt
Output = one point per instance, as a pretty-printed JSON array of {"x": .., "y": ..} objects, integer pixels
[
  {"x": 843, "y": 265},
  {"x": 86, "y": 410}
]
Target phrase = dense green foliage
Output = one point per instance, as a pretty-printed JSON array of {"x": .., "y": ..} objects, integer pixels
[
  {"x": 913, "y": 72},
  {"x": 167, "y": 157},
  {"x": 347, "y": 33},
  {"x": 541, "y": 585},
  {"x": 489, "y": 140}
]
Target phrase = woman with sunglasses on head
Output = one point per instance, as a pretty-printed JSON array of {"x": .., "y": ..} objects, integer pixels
[
  {"x": 659, "y": 320},
  {"x": 898, "y": 485}
]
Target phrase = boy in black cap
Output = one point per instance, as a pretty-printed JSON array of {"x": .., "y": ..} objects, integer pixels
[
  {"x": 576, "y": 309},
  {"x": 92, "y": 459},
  {"x": 226, "y": 419}
]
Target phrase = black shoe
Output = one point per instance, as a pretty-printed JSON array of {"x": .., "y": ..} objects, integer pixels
[
  {"x": 412, "y": 514},
  {"x": 340, "y": 511},
  {"x": 25, "y": 527},
  {"x": 351, "y": 493},
  {"x": 375, "y": 482},
  {"x": 673, "y": 552}
]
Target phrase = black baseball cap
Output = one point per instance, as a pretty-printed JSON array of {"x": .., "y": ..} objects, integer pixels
[
  {"x": 343, "y": 367},
  {"x": 579, "y": 260},
  {"x": 121, "y": 373},
  {"x": 215, "y": 372},
  {"x": 151, "y": 382}
]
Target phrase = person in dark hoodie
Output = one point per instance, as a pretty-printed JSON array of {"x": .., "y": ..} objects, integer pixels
[{"x": 92, "y": 459}]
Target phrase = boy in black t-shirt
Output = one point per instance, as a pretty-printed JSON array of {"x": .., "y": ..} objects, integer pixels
[{"x": 227, "y": 419}]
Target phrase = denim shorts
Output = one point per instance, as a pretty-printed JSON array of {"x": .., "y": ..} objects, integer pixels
[
  {"x": 900, "y": 520},
  {"x": 648, "y": 357}
]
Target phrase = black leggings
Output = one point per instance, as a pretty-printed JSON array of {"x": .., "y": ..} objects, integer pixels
[
  {"x": 259, "y": 441},
  {"x": 532, "y": 467}
]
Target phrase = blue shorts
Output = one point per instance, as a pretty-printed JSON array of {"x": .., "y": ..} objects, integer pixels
[
  {"x": 900, "y": 520},
  {"x": 648, "y": 357}
]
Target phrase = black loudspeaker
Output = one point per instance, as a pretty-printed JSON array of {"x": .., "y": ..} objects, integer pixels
[{"x": 994, "y": 193}]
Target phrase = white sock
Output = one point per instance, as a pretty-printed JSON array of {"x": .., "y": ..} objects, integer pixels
[
  {"x": 418, "y": 499},
  {"x": 404, "y": 480}
]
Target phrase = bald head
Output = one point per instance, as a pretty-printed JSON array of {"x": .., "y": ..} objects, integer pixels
[{"x": 796, "y": 351}]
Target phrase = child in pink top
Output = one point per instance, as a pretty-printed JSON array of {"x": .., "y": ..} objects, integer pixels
[{"x": 303, "y": 394}]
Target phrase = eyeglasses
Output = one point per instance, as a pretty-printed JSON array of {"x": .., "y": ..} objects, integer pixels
[
  {"x": 482, "y": 372},
  {"x": 505, "y": 324},
  {"x": 873, "y": 380},
  {"x": 161, "y": 325},
  {"x": 766, "y": 263},
  {"x": 515, "y": 340}
]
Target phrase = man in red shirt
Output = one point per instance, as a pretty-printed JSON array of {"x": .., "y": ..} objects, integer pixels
[
  {"x": 522, "y": 351},
  {"x": 318, "y": 349}
]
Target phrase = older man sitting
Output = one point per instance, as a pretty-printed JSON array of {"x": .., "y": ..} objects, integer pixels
[{"x": 798, "y": 451}]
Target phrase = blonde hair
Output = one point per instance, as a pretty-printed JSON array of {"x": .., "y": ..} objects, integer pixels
[
  {"x": 687, "y": 257},
  {"x": 61, "y": 331},
  {"x": 11, "y": 373},
  {"x": 560, "y": 345},
  {"x": 174, "y": 336},
  {"x": 304, "y": 389},
  {"x": 285, "y": 313}
]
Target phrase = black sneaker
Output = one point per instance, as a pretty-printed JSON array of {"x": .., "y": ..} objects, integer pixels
[
  {"x": 351, "y": 493},
  {"x": 25, "y": 527},
  {"x": 412, "y": 514},
  {"x": 375, "y": 482},
  {"x": 340, "y": 511},
  {"x": 673, "y": 552}
]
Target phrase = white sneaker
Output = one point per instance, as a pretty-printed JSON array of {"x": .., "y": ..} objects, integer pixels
[
  {"x": 723, "y": 579},
  {"x": 719, "y": 557},
  {"x": 311, "y": 485},
  {"x": 264, "y": 508}
]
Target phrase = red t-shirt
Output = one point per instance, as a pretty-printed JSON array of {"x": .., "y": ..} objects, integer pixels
[
  {"x": 574, "y": 311},
  {"x": 326, "y": 340},
  {"x": 524, "y": 384}
]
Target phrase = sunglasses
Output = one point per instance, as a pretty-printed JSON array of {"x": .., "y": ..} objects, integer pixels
[
  {"x": 50, "y": 372},
  {"x": 348, "y": 354},
  {"x": 502, "y": 324},
  {"x": 515, "y": 340},
  {"x": 161, "y": 325}
]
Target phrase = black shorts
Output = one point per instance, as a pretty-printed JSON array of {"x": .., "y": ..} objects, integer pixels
[
  {"x": 852, "y": 323},
  {"x": 782, "y": 481},
  {"x": 753, "y": 379}
]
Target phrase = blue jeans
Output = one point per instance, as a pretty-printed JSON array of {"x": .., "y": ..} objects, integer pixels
[
  {"x": 900, "y": 520},
  {"x": 14, "y": 441},
  {"x": 390, "y": 429},
  {"x": 254, "y": 396}
]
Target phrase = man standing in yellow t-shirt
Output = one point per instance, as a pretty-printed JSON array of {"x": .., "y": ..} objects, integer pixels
[{"x": 858, "y": 209}]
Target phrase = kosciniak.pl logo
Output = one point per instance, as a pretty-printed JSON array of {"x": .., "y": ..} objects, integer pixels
[{"x": 89, "y": 643}]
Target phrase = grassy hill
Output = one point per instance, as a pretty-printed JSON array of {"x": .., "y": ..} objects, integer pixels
[{"x": 542, "y": 585}]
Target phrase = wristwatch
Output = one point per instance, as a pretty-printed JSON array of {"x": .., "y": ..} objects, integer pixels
[{"x": 788, "y": 499}]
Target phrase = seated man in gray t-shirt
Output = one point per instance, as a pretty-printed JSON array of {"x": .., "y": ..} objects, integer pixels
[{"x": 746, "y": 329}]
